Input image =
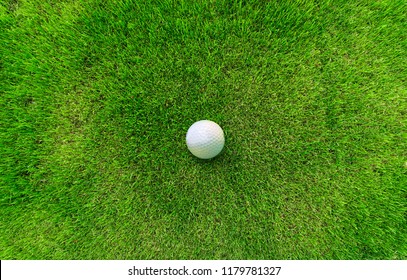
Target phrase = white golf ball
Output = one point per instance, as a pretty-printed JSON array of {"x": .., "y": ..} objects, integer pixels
[{"x": 205, "y": 139}]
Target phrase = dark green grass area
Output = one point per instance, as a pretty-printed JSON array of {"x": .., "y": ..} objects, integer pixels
[{"x": 96, "y": 98}]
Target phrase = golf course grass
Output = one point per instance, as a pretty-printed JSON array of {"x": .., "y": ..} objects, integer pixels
[{"x": 96, "y": 98}]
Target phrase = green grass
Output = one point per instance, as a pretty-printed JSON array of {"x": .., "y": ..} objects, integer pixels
[{"x": 96, "y": 98}]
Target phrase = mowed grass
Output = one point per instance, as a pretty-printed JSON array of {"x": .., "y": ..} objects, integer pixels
[{"x": 96, "y": 98}]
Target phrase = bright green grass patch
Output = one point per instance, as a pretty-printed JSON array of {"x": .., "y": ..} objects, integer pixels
[{"x": 96, "y": 99}]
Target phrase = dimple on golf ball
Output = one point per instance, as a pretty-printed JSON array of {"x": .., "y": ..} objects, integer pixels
[{"x": 205, "y": 139}]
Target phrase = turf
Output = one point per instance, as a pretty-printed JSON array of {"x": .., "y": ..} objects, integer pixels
[{"x": 96, "y": 98}]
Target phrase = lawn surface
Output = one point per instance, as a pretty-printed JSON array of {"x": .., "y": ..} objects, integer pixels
[{"x": 96, "y": 98}]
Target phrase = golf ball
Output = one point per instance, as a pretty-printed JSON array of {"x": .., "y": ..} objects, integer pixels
[{"x": 205, "y": 139}]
